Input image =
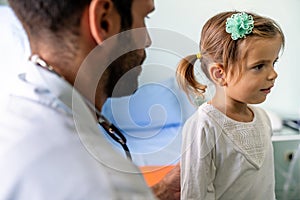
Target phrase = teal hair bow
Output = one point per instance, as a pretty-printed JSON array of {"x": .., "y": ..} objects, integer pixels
[{"x": 238, "y": 25}]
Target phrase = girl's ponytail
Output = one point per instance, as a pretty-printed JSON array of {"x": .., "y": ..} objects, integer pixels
[{"x": 186, "y": 77}]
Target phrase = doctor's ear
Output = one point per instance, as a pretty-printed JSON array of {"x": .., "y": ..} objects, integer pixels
[
  {"x": 218, "y": 74},
  {"x": 104, "y": 20}
]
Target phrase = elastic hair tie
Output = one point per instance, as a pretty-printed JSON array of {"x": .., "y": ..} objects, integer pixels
[{"x": 198, "y": 55}]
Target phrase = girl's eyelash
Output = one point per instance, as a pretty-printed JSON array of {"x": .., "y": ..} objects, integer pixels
[
  {"x": 147, "y": 16},
  {"x": 258, "y": 67}
]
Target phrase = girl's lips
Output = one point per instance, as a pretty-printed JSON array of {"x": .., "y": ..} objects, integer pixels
[{"x": 267, "y": 90}]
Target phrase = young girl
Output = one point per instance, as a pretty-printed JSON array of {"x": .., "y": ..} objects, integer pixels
[{"x": 227, "y": 151}]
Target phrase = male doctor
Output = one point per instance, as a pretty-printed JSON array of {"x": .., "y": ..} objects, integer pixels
[{"x": 50, "y": 144}]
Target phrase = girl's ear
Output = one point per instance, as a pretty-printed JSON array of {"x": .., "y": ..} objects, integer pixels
[
  {"x": 217, "y": 74},
  {"x": 104, "y": 20}
]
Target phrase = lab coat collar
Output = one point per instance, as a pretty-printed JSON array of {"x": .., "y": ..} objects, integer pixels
[{"x": 47, "y": 80}]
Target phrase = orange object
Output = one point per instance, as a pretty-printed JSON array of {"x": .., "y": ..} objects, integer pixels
[{"x": 153, "y": 174}]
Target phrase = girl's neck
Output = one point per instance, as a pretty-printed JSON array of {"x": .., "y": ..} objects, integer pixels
[{"x": 235, "y": 110}]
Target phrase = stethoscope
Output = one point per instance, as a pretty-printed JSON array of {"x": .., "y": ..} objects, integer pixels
[{"x": 109, "y": 128}]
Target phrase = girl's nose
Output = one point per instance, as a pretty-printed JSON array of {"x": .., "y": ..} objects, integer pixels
[{"x": 273, "y": 75}]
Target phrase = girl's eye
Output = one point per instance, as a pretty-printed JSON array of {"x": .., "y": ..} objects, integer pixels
[{"x": 258, "y": 67}]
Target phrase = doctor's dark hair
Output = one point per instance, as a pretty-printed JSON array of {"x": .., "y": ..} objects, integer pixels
[
  {"x": 217, "y": 47},
  {"x": 59, "y": 16}
]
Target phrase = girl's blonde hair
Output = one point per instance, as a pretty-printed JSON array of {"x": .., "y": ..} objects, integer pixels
[{"x": 217, "y": 46}]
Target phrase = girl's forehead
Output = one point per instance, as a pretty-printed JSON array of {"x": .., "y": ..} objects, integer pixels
[{"x": 258, "y": 47}]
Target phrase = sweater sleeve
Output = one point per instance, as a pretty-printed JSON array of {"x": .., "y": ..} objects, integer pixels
[{"x": 197, "y": 160}]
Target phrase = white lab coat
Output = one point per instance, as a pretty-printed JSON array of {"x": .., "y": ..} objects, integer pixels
[{"x": 51, "y": 146}]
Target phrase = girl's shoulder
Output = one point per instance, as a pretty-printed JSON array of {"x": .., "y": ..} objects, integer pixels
[
  {"x": 203, "y": 115},
  {"x": 203, "y": 121},
  {"x": 209, "y": 115}
]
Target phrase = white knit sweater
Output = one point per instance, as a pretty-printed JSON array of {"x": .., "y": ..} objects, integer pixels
[{"x": 226, "y": 159}]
